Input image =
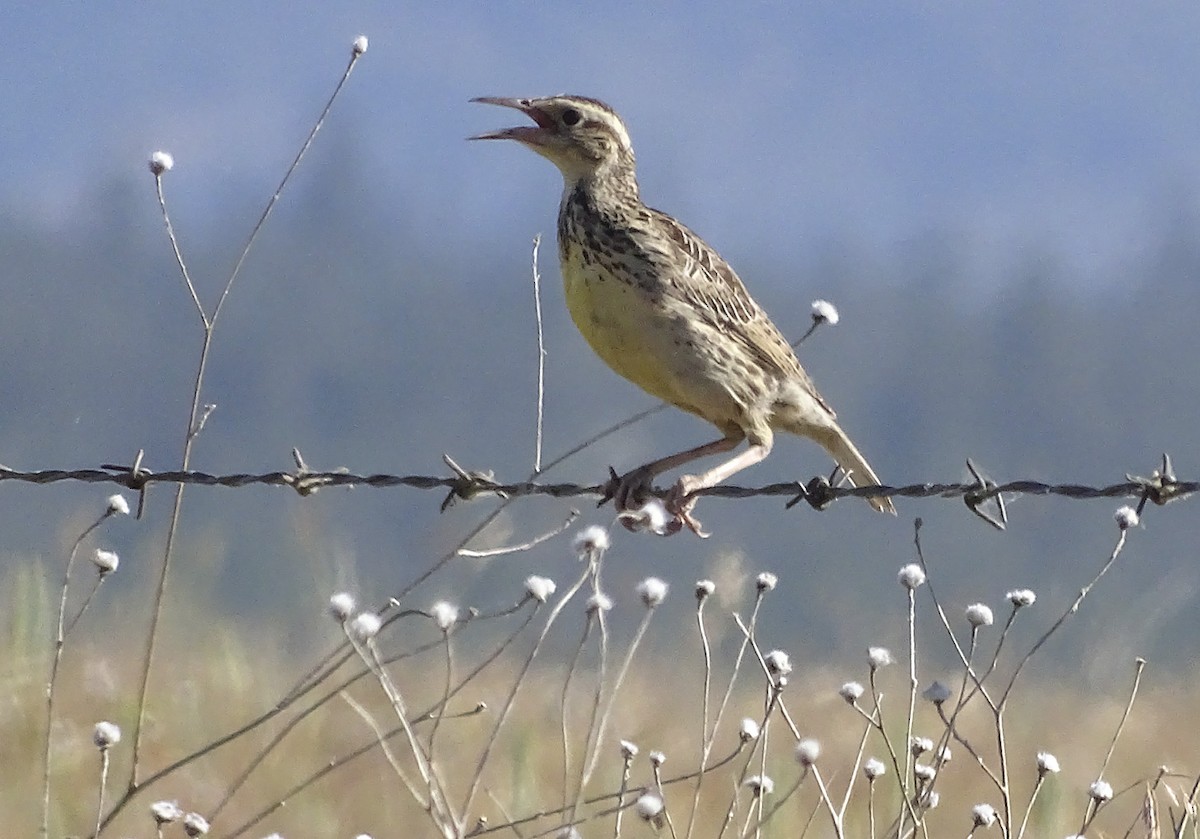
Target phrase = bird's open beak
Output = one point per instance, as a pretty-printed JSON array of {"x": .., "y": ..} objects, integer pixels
[{"x": 530, "y": 134}]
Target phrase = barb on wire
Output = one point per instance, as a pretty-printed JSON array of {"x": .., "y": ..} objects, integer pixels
[{"x": 1161, "y": 487}]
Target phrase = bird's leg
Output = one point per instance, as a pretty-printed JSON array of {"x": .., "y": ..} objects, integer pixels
[
  {"x": 630, "y": 488},
  {"x": 681, "y": 500}
]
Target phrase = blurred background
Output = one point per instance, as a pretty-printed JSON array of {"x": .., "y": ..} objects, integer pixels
[{"x": 1001, "y": 199}]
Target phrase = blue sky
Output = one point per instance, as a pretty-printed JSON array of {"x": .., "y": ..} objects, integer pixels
[{"x": 764, "y": 126}]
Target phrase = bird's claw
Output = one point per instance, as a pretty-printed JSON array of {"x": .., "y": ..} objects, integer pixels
[{"x": 680, "y": 503}]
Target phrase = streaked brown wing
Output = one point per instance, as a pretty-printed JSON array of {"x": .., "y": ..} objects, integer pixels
[{"x": 707, "y": 282}]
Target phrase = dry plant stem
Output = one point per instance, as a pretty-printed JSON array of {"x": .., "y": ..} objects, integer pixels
[
  {"x": 838, "y": 828},
  {"x": 103, "y": 786},
  {"x": 279, "y": 736},
  {"x": 912, "y": 697},
  {"x": 541, "y": 346},
  {"x": 594, "y": 754},
  {"x": 626, "y": 769},
  {"x": 737, "y": 666},
  {"x": 563, "y": 701},
  {"x": 871, "y": 807},
  {"x": 902, "y": 778},
  {"x": 755, "y": 745},
  {"x": 596, "y": 799},
  {"x": 598, "y": 693},
  {"x": 60, "y": 640},
  {"x": 524, "y": 546},
  {"x": 389, "y": 755},
  {"x": 193, "y": 426},
  {"x": 473, "y": 787},
  {"x": 1072, "y": 609},
  {"x": 437, "y": 804},
  {"x": 1037, "y": 787},
  {"x": 1189, "y": 810},
  {"x": 1094, "y": 806},
  {"x": 862, "y": 747},
  {"x": 87, "y": 601},
  {"x": 325, "y": 770},
  {"x": 1139, "y": 666},
  {"x": 437, "y": 717},
  {"x": 704, "y": 700}
]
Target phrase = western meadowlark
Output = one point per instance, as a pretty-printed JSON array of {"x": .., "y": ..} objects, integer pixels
[{"x": 664, "y": 310}]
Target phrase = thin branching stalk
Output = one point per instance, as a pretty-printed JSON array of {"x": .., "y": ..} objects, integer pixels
[
  {"x": 477, "y": 777},
  {"x": 541, "y": 364},
  {"x": 446, "y": 685},
  {"x": 103, "y": 787},
  {"x": 196, "y": 417},
  {"x": 564, "y": 697},
  {"x": 598, "y": 694},
  {"x": 382, "y": 740},
  {"x": 60, "y": 640},
  {"x": 704, "y": 701},
  {"x": 622, "y": 672}
]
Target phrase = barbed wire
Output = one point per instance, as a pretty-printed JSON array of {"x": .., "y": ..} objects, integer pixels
[{"x": 1160, "y": 487}]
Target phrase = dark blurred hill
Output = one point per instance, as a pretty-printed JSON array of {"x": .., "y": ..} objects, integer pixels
[{"x": 369, "y": 342}]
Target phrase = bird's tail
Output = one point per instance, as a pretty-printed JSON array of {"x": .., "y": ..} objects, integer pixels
[{"x": 850, "y": 459}]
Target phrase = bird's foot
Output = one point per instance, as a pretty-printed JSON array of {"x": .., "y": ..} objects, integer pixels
[
  {"x": 680, "y": 503},
  {"x": 628, "y": 491}
]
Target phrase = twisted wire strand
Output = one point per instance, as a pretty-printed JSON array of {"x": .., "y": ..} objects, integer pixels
[{"x": 466, "y": 485}]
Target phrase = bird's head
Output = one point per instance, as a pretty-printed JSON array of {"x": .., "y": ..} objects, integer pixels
[{"x": 583, "y": 137}]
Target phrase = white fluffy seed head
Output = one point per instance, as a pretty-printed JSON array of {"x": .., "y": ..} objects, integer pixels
[
  {"x": 825, "y": 312},
  {"x": 807, "y": 751},
  {"x": 598, "y": 602},
  {"x": 851, "y": 692},
  {"x": 195, "y": 825},
  {"x": 979, "y": 615},
  {"x": 539, "y": 588},
  {"x": 705, "y": 589},
  {"x": 592, "y": 540},
  {"x": 444, "y": 615},
  {"x": 657, "y": 759},
  {"x": 165, "y": 812},
  {"x": 1126, "y": 517},
  {"x": 1047, "y": 763},
  {"x": 924, "y": 772},
  {"x": 105, "y": 561},
  {"x": 1020, "y": 597},
  {"x": 161, "y": 162},
  {"x": 652, "y": 590},
  {"x": 649, "y": 807},
  {"x": 984, "y": 815},
  {"x": 778, "y": 663},
  {"x": 106, "y": 735},
  {"x": 911, "y": 576},
  {"x": 878, "y": 657},
  {"x": 651, "y": 516},
  {"x": 748, "y": 730},
  {"x": 919, "y": 746},
  {"x": 766, "y": 581},
  {"x": 360, "y": 45},
  {"x": 944, "y": 755},
  {"x": 760, "y": 785},
  {"x": 1100, "y": 791},
  {"x": 117, "y": 505},
  {"x": 937, "y": 693},
  {"x": 341, "y": 606},
  {"x": 629, "y": 749},
  {"x": 932, "y": 800},
  {"x": 874, "y": 768},
  {"x": 365, "y": 626}
]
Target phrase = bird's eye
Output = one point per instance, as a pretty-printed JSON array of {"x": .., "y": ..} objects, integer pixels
[{"x": 571, "y": 117}]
